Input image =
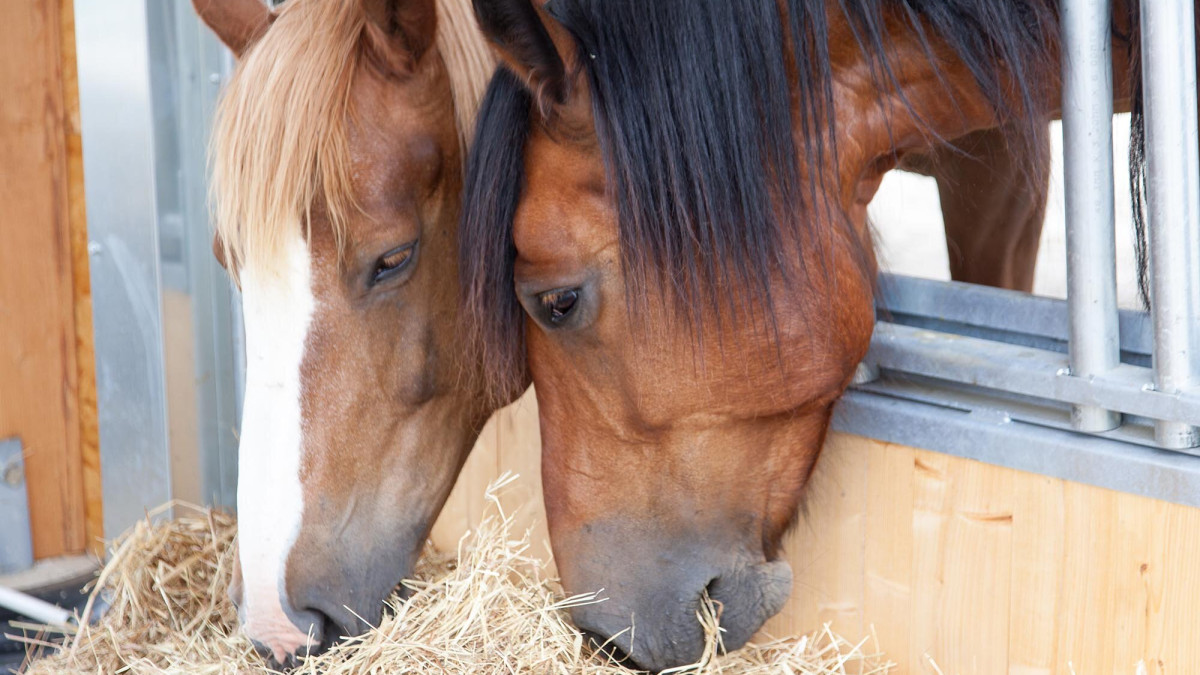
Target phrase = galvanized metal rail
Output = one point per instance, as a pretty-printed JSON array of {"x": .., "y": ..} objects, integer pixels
[
  {"x": 1088, "y": 176},
  {"x": 1173, "y": 195},
  {"x": 1029, "y": 372}
]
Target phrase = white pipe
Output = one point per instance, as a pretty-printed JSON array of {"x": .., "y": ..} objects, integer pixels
[{"x": 38, "y": 610}]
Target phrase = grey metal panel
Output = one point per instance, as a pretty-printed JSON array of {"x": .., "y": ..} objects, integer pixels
[
  {"x": 150, "y": 75},
  {"x": 998, "y": 314},
  {"x": 199, "y": 64},
  {"x": 1021, "y": 370},
  {"x": 1042, "y": 412},
  {"x": 16, "y": 538},
  {"x": 118, "y": 153},
  {"x": 994, "y": 437},
  {"x": 1088, "y": 178}
]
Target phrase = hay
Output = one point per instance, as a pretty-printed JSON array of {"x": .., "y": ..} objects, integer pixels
[{"x": 494, "y": 610}]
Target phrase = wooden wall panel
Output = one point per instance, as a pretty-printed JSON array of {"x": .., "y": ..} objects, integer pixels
[
  {"x": 1037, "y": 569},
  {"x": 509, "y": 442},
  {"x": 980, "y": 569},
  {"x": 826, "y": 552},
  {"x": 891, "y": 485},
  {"x": 41, "y": 190}
]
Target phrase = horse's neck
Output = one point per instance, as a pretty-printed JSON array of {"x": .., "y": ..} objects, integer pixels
[{"x": 468, "y": 59}]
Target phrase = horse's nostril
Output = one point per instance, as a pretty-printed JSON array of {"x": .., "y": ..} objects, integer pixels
[
  {"x": 340, "y": 623},
  {"x": 284, "y": 642},
  {"x": 271, "y": 654},
  {"x": 608, "y": 648}
]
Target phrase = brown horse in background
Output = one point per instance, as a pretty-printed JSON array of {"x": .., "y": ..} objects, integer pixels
[
  {"x": 338, "y": 156},
  {"x": 665, "y": 229},
  {"x": 992, "y": 211}
]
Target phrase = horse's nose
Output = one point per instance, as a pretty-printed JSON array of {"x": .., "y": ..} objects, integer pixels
[
  {"x": 652, "y": 595},
  {"x": 285, "y": 638}
]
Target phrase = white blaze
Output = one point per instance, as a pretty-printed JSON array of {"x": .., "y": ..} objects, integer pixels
[{"x": 278, "y": 306}]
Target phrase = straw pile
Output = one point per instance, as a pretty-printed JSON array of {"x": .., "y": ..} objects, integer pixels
[{"x": 494, "y": 610}]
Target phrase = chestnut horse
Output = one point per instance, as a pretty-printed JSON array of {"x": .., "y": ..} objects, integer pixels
[
  {"x": 337, "y": 160},
  {"x": 665, "y": 230}
]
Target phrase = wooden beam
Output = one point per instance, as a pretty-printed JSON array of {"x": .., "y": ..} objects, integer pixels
[
  {"x": 41, "y": 190},
  {"x": 85, "y": 352}
]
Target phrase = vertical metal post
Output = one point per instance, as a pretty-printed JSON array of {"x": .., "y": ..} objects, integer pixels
[
  {"x": 1088, "y": 179},
  {"x": 1173, "y": 162},
  {"x": 16, "y": 538}
]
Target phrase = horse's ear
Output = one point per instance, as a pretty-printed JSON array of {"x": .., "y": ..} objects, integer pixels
[
  {"x": 219, "y": 252},
  {"x": 530, "y": 43},
  {"x": 238, "y": 23},
  {"x": 401, "y": 31}
]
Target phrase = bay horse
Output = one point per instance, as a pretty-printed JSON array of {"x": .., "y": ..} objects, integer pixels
[
  {"x": 665, "y": 231},
  {"x": 993, "y": 212},
  {"x": 337, "y": 160}
]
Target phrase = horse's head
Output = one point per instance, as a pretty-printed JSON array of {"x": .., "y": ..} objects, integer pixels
[
  {"x": 337, "y": 176},
  {"x": 684, "y": 226}
]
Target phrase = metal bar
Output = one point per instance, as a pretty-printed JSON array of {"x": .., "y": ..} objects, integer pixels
[
  {"x": 1088, "y": 179},
  {"x": 991, "y": 436},
  {"x": 16, "y": 536},
  {"x": 997, "y": 314},
  {"x": 1173, "y": 196},
  {"x": 1021, "y": 370},
  {"x": 1042, "y": 412}
]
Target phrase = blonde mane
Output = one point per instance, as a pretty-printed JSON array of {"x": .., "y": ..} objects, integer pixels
[{"x": 279, "y": 135}]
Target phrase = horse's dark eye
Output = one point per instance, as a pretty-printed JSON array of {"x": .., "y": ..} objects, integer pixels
[
  {"x": 559, "y": 304},
  {"x": 393, "y": 262}
]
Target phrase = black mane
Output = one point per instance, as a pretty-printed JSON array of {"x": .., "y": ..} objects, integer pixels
[
  {"x": 693, "y": 106},
  {"x": 493, "y": 318}
]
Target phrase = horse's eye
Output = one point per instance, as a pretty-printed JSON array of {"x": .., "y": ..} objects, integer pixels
[
  {"x": 393, "y": 263},
  {"x": 559, "y": 304}
]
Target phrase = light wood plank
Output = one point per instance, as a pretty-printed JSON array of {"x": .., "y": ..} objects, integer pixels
[
  {"x": 1037, "y": 569},
  {"x": 183, "y": 430},
  {"x": 889, "y": 548},
  {"x": 509, "y": 442},
  {"x": 1173, "y": 637},
  {"x": 1086, "y": 601},
  {"x": 1139, "y": 530},
  {"x": 520, "y": 452},
  {"x": 962, "y": 562},
  {"x": 975, "y": 608},
  {"x": 931, "y": 504},
  {"x": 826, "y": 547},
  {"x": 464, "y": 506}
]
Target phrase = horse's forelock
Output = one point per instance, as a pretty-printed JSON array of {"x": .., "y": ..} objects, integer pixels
[
  {"x": 693, "y": 113},
  {"x": 279, "y": 133},
  {"x": 279, "y": 138}
]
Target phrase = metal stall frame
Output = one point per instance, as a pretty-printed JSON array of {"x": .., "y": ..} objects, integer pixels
[
  {"x": 149, "y": 75},
  {"x": 1073, "y": 389}
]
